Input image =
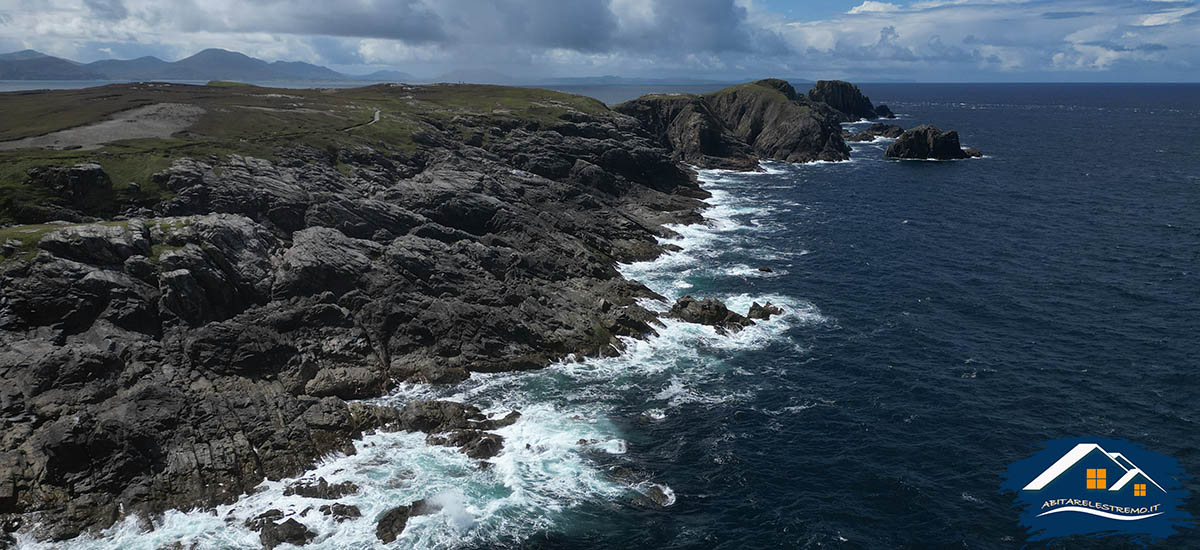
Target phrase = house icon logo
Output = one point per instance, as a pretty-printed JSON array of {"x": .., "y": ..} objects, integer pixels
[{"x": 1098, "y": 487}]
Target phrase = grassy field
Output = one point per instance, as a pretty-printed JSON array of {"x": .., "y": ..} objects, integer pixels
[{"x": 251, "y": 120}]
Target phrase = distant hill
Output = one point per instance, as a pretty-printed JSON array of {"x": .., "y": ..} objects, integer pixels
[
  {"x": 34, "y": 65},
  {"x": 386, "y": 76},
  {"x": 210, "y": 64}
]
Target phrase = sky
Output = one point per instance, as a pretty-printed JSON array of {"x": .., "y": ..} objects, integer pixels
[{"x": 864, "y": 40}]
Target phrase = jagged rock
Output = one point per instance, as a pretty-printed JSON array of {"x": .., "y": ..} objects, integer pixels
[
  {"x": 883, "y": 111},
  {"x": 763, "y": 312},
  {"x": 340, "y": 512},
  {"x": 391, "y": 524},
  {"x": 321, "y": 489},
  {"x": 686, "y": 125},
  {"x": 347, "y": 383},
  {"x": 778, "y": 125},
  {"x": 708, "y": 311},
  {"x": 973, "y": 152},
  {"x": 473, "y": 443},
  {"x": 845, "y": 97},
  {"x": 290, "y": 532},
  {"x": 269, "y": 517},
  {"x": 927, "y": 142},
  {"x": 438, "y": 416},
  {"x": 98, "y": 244},
  {"x": 82, "y": 186}
]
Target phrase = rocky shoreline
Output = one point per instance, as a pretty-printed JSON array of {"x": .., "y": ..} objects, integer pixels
[{"x": 175, "y": 355}]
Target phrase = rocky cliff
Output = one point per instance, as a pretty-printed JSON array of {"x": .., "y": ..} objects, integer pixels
[
  {"x": 181, "y": 319},
  {"x": 846, "y": 99},
  {"x": 763, "y": 119},
  {"x": 176, "y": 355}
]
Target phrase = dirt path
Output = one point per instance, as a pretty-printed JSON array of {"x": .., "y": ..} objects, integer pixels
[
  {"x": 373, "y": 121},
  {"x": 152, "y": 121}
]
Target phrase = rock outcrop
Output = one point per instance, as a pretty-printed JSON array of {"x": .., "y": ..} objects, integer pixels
[
  {"x": 734, "y": 127},
  {"x": 177, "y": 358},
  {"x": 714, "y": 313},
  {"x": 928, "y": 142},
  {"x": 391, "y": 524},
  {"x": 845, "y": 98}
]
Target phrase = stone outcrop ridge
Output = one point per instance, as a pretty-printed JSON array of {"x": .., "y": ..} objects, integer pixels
[
  {"x": 176, "y": 357},
  {"x": 737, "y": 126},
  {"x": 847, "y": 100},
  {"x": 929, "y": 142}
]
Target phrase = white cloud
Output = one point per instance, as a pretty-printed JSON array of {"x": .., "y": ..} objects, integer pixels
[{"x": 870, "y": 6}]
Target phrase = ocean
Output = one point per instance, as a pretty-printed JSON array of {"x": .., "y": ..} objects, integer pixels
[{"x": 942, "y": 319}]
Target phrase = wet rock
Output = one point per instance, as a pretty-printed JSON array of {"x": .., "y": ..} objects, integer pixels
[
  {"x": 927, "y": 142},
  {"x": 708, "y": 311},
  {"x": 973, "y": 152},
  {"x": 765, "y": 269},
  {"x": 290, "y": 532},
  {"x": 321, "y": 489},
  {"x": 258, "y": 522},
  {"x": 340, "y": 512},
  {"x": 391, "y": 524},
  {"x": 763, "y": 312},
  {"x": 883, "y": 111},
  {"x": 474, "y": 443},
  {"x": 438, "y": 416}
]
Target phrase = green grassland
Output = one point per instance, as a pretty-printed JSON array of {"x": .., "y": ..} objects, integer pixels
[{"x": 251, "y": 120}]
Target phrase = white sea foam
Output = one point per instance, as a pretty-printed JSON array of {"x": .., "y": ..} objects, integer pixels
[{"x": 552, "y": 457}]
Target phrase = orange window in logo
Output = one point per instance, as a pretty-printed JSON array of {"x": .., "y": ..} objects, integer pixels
[
  {"x": 1139, "y": 489},
  {"x": 1097, "y": 478}
]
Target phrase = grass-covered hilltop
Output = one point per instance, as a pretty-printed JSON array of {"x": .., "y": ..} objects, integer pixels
[{"x": 198, "y": 282}]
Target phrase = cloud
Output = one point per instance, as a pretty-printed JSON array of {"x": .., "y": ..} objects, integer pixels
[
  {"x": 928, "y": 40},
  {"x": 873, "y": 7}
]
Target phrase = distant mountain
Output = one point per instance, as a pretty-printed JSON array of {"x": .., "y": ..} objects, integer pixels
[
  {"x": 142, "y": 68},
  {"x": 210, "y": 64},
  {"x": 34, "y": 65},
  {"x": 386, "y": 76}
]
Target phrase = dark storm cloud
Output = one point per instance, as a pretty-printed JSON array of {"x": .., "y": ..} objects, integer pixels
[
  {"x": 408, "y": 20},
  {"x": 708, "y": 26}
]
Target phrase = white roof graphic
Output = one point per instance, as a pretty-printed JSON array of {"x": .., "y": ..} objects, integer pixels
[{"x": 1076, "y": 454}]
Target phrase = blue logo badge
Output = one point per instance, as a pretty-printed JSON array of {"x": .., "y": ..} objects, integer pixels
[{"x": 1098, "y": 487}]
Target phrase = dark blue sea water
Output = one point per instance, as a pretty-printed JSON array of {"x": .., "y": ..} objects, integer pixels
[
  {"x": 943, "y": 318},
  {"x": 970, "y": 310}
]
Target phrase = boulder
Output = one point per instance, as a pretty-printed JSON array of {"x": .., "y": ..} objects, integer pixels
[
  {"x": 708, "y": 311},
  {"x": 340, "y": 512},
  {"x": 85, "y": 187},
  {"x": 883, "y": 111},
  {"x": 391, "y": 524},
  {"x": 926, "y": 142},
  {"x": 321, "y": 489},
  {"x": 98, "y": 244},
  {"x": 290, "y": 532},
  {"x": 763, "y": 312}
]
